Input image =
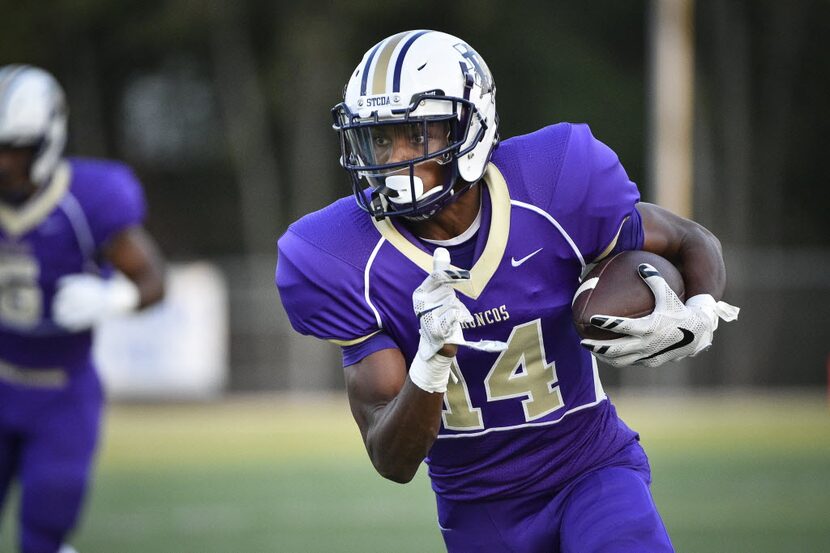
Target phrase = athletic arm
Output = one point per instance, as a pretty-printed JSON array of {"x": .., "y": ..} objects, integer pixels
[
  {"x": 399, "y": 410},
  {"x": 398, "y": 420},
  {"x": 690, "y": 246},
  {"x": 134, "y": 252}
]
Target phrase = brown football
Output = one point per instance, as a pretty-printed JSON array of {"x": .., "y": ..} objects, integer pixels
[{"x": 614, "y": 287}]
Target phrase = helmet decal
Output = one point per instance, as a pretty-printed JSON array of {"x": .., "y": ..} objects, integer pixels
[
  {"x": 382, "y": 66},
  {"x": 482, "y": 77},
  {"x": 396, "y": 83}
]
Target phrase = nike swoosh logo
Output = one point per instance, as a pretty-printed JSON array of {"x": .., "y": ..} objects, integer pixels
[
  {"x": 516, "y": 263},
  {"x": 425, "y": 311},
  {"x": 684, "y": 341}
]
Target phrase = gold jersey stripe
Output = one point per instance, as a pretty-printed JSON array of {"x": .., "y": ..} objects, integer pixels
[
  {"x": 52, "y": 378},
  {"x": 356, "y": 341},
  {"x": 610, "y": 247}
]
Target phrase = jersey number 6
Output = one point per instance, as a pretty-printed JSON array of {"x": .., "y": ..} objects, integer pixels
[{"x": 21, "y": 301}]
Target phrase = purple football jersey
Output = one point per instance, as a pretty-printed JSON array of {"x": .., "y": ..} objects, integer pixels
[
  {"x": 534, "y": 416},
  {"x": 59, "y": 231}
]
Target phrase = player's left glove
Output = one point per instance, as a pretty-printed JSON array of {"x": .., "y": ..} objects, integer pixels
[
  {"x": 83, "y": 300},
  {"x": 672, "y": 331}
]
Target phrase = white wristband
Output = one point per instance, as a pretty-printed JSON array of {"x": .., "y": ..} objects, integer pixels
[
  {"x": 431, "y": 375},
  {"x": 714, "y": 309}
]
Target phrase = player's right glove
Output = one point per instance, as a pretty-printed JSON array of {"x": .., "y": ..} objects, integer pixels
[
  {"x": 440, "y": 314},
  {"x": 674, "y": 330},
  {"x": 83, "y": 300}
]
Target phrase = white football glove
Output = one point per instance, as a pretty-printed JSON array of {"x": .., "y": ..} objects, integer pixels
[
  {"x": 441, "y": 314},
  {"x": 671, "y": 332},
  {"x": 83, "y": 300}
]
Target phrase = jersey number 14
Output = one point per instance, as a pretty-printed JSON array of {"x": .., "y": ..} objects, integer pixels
[{"x": 519, "y": 372}]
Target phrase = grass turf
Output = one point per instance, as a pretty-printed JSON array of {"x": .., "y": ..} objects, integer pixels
[{"x": 732, "y": 473}]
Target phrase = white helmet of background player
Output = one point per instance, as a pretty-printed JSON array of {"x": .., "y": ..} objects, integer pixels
[
  {"x": 435, "y": 88},
  {"x": 33, "y": 114}
]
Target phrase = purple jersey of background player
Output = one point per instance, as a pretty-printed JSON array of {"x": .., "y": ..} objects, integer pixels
[
  {"x": 535, "y": 416},
  {"x": 50, "y": 395},
  {"x": 59, "y": 232}
]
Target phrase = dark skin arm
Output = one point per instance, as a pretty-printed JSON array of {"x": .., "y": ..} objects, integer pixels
[
  {"x": 398, "y": 420},
  {"x": 690, "y": 246},
  {"x": 134, "y": 252}
]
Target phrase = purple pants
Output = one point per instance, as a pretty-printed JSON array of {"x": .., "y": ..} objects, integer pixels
[
  {"x": 608, "y": 510},
  {"x": 47, "y": 442}
]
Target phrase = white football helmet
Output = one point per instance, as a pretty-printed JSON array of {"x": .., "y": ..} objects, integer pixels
[
  {"x": 435, "y": 91},
  {"x": 33, "y": 113}
]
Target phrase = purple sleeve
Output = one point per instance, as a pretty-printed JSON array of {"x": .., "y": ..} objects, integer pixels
[
  {"x": 114, "y": 200},
  {"x": 631, "y": 234},
  {"x": 594, "y": 196},
  {"x": 356, "y": 353},
  {"x": 322, "y": 294}
]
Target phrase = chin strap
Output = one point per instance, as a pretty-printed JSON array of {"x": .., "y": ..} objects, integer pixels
[{"x": 378, "y": 206}]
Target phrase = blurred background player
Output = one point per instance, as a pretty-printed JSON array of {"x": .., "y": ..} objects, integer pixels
[
  {"x": 65, "y": 223},
  {"x": 525, "y": 451}
]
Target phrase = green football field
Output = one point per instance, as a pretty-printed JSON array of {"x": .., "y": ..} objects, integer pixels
[{"x": 732, "y": 473}]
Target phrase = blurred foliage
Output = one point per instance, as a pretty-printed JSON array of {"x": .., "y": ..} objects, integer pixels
[{"x": 552, "y": 60}]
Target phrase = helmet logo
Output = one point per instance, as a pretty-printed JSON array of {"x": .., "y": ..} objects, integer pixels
[{"x": 476, "y": 66}]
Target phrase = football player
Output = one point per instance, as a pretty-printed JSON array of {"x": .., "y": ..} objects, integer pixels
[
  {"x": 65, "y": 225},
  {"x": 448, "y": 284}
]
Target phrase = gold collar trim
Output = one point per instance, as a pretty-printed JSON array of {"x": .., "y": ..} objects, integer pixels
[
  {"x": 18, "y": 221},
  {"x": 491, "y": 257}
]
